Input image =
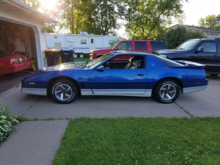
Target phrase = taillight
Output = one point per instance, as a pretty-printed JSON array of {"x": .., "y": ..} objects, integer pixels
[{"x": 14, "y": 61}]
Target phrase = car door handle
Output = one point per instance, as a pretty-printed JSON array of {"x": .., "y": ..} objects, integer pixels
[{"x": 140, "y": 74}]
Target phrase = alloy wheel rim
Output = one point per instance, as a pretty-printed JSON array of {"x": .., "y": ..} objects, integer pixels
[
  {"x": 63, "y": 92},
  {"x": 81, "y": 55},
  {"x": 168, "y": 92}
]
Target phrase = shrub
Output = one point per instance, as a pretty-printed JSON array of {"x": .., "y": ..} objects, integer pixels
[
  {"x": 174, "y": 37},
  {"x": 7, "y": 122}
]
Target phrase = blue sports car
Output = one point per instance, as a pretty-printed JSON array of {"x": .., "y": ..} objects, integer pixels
[{"x": 119, "y": 73}]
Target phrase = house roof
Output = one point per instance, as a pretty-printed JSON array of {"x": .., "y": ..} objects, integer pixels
[
  {"x": 197, "y": 27},
  {"x": 21, "y": 8}
]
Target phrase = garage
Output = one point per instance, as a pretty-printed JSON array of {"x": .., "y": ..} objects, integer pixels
[{"x": 21, "y": 39}]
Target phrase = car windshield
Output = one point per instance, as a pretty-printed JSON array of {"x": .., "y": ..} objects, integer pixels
[
  {"x": 113, "y": 47},
  {"x": 98, "y": 60},
  {"x": 188, "y": 45}
]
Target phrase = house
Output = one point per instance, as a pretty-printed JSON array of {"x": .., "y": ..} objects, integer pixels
[
  {"x": 22, "y": 27},
  {"x": 210, "y": 33}
]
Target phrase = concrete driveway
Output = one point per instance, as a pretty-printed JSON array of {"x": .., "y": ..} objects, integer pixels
[{"x": 199, "y": 104}]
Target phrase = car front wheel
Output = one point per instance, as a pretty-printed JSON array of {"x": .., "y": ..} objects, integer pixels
[
  {"x": 63, "y": 91},
  {"x": 167, "y": 91}
]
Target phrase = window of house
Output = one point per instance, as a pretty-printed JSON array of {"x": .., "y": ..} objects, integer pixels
[
  {"x": 209, "y": 46},
  {"x": 57, "y": 45},
  {"x": 140, "y": 45},
  {"x": 83, "y": 41}
]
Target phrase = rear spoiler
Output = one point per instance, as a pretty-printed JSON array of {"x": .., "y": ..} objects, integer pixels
[{"x": 189, "y": 64}]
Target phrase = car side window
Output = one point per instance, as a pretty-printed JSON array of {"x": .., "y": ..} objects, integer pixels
[
  {"x": 126, "y": 62},
  {"x": 125, "y": 46},
  {"x": 209, "y": 46},
  {"x": 140, "y": 45}
]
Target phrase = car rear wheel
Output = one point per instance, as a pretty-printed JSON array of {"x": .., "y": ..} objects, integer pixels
[
  {"x": 63, "y": 91},
  {"x": 167, "y": 91},
  {"x": 81, "y": 55}
]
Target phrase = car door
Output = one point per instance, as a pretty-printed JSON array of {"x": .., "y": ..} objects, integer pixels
[
  {"x": 119, "y": 82},
  {"x": 209, "y": 56}
]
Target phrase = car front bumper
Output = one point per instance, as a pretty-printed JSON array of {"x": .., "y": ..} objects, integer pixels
[{"x": 34, "y": 91}]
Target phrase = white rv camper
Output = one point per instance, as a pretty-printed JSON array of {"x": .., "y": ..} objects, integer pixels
[{"x": 82, "y": 43}]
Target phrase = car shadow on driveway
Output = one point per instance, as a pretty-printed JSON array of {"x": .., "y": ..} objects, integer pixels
[{"x": 100, "y": 107}]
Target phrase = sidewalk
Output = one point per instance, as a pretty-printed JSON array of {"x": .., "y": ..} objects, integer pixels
[{"x": 35, "y": 143}]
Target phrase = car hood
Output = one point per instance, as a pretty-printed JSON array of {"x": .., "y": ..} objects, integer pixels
[
  {"x": 100, "y": 50},
  {"x": 66, "y": 66},
  {"x": 168, "y": 51}
]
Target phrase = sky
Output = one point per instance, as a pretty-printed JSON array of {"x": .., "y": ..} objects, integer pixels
[{"x": 194, "y": 10}]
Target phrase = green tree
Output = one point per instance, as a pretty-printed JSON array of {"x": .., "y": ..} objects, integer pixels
[
  {"x": 174, "y": 37},
  {"x": 102, "y": 16},
  {"x": 32, "y": 3},
  {"x": 147, "y": 18},
  {"x": 210, "y": 21}
]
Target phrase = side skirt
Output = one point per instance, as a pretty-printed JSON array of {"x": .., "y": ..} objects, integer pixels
[{"x": 117, "y": 92}]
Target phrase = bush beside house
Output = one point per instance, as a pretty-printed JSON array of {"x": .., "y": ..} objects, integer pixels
[{"x": 7, "y": 122}]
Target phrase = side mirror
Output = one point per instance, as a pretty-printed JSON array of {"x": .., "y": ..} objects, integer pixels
[
  {"x": 100, "y": 68},
  {"x": 200, "y": 49},
  {"x": 117, "y": 48}
]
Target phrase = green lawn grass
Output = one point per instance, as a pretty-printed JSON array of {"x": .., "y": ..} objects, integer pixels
[
  {"x": 140, "y": 141},
  {"x": 85, "y": 59}
]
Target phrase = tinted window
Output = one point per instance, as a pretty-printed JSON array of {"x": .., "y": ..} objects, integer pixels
[
  {"x": 158, "y": 45},
  {"x": 125, "y": 46},
  {"x": 140, "y": 45},
  {"x": 209, "y": 46},
  {"x": 169, "y": 63}
]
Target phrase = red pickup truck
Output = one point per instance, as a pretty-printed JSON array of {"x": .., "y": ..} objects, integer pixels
[{"x": 147, "y": 46}]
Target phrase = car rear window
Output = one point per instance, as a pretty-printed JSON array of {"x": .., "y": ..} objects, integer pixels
[
  {"x": 158, "y": 45},
  {"x": 169, "y": 63}
]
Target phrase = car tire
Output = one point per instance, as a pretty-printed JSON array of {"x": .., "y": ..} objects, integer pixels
[
  {"x": 81, "y": 55},
  {"x": 99, "y": 56},
  {"x": 75, "y": 55},
  {"x": 167, "y": 91},
  {"x": 214, "y": 74},
  {"x": 63, "y": 91}
]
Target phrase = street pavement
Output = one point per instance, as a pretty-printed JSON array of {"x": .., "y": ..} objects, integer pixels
[{"x": 36, "y": 142}]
